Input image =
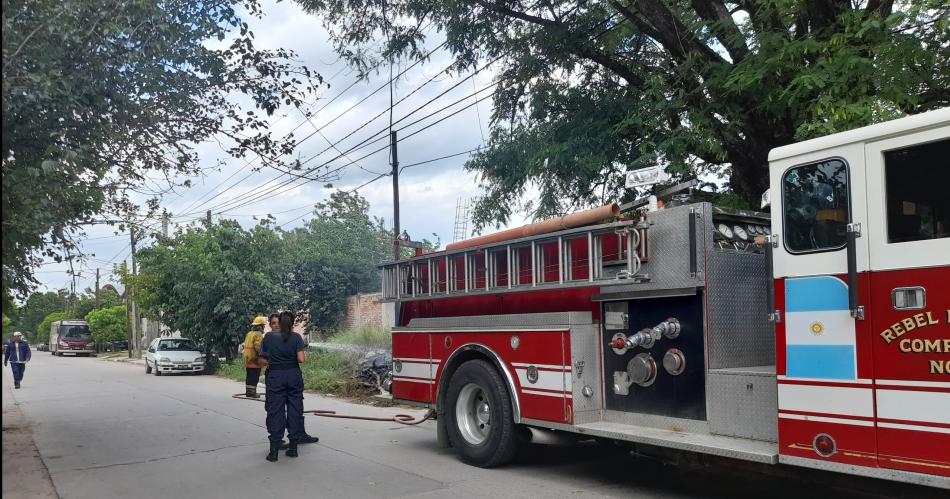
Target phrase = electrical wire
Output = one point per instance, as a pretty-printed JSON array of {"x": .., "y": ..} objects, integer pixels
[{"x": 277, "y": 189}]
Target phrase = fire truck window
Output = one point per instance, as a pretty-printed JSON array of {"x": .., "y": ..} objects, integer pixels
[
  {"x": 918, "y": 207},
  {"x": 816, "y": 206}
]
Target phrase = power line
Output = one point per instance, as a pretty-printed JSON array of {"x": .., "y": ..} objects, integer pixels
[
  {"x": 439, "y": 158},
  {"x": 319, "y": 129},
  {"x": 187, "y": 211},
  {"x": 263, "y": 191},
  {"x": 277, "y": 190},
  {"x": 366, "y": 142}
]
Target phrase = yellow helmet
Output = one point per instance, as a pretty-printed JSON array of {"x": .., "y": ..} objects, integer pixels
[{"x": 260, "y": 320}]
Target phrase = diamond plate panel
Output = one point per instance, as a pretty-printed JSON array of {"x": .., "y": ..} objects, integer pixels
[
  {"x": 737, "y": 290},
  {"x": 586, "y": 371},
  {"x": 668, "y": 250},
  {"x": 743, "y": 403},
  {"x": 655, "y": 421}
]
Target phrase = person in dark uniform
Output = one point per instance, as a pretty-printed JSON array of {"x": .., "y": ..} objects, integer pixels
[
  {"x": 274, "y": 322},
  {"x": 284, "y": 351}
]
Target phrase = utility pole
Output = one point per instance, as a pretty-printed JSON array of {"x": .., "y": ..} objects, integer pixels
[
  {"x": 165, "y": 218},
  {"x": 98, "y": 301},
  {"x": 134, "y": 342},
  {"x": 208, "y": 218},
  {"x": 394, "y": 155}
]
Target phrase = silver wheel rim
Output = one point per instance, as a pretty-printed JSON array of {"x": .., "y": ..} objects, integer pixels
[{"x": 473, "y": 414}]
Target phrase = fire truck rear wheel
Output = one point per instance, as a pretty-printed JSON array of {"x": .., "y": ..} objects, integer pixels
[{"x": 480, "y": 417}]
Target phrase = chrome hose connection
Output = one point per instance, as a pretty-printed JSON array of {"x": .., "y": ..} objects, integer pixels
[{"x": 646, "y": 337}]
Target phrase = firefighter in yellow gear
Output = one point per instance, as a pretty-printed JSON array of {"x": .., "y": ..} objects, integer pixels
[{"x": 252, "y": 348}]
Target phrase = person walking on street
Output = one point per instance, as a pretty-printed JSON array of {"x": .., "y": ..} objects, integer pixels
[
  {"x": 284, "y": 351},
  {"x": 17, "y": 354},
  {"x": 274, "y": 323},
  {"x": 252, "y": 348}
]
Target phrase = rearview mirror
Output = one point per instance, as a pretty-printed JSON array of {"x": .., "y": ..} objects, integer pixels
[{"x": 766, "y": 199}]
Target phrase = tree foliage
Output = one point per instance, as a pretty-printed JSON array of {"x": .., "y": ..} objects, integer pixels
[
  {"x": 108, "y": 324},
  {"x": 334, "y": 256},
  {"x": 99, "y": 97},
  {"x": 210, "y": 282},
  {"x": 589, "y": 90},
  {"x": 86, "y": 303},
  {"x": 35, "y": 309}
]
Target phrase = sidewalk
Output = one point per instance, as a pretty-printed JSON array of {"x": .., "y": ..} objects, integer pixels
[
  {"x": 120, "y": 357},
  {"x": 24, "y": 474}
]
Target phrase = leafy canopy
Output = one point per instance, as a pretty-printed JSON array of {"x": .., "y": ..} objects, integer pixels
[
  {"x": 35, "y": 309},
  {"x": 210, "y": 282},
  {"x": 108, "y": 324},
  {"x": 101, "y": 97},
  {"x": 589, "y": 90}
]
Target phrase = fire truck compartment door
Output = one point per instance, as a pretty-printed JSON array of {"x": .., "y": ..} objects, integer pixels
[
  {"x": 909, "y": 211},
  {"x": 823, "y": 354}
]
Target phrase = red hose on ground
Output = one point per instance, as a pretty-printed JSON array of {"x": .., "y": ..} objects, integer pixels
[{"x": 405, "y": 419}]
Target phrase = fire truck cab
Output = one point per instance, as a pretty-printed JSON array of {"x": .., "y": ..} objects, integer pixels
[{"x": 817, "y": 335}]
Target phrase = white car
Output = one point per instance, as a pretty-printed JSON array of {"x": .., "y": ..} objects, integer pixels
[{"x": 173, "y": 355}]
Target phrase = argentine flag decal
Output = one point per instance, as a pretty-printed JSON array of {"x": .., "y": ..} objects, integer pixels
[{"x": 819, "y": 329}]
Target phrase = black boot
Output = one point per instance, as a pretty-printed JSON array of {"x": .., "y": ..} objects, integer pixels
[
  {"x": 272, "y": 455},
  {"x": 292, "y": 449},
  {"x": 250, "y": 391},
  {"x": 307, "y": 439}
]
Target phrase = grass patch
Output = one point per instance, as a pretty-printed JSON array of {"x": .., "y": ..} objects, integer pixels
[
  {"x": 375, "y": 338},
  {"x": 331, "y": 372},
  {"x": 233, "y": 371}
]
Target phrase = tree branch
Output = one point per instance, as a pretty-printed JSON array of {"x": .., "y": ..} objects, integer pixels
[
  {"x": 723, "y": 26},
  {"x": 505, "y": 11},
  {"x": 659, "y": 23}
]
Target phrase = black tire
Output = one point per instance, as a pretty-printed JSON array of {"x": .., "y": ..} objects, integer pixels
[
  {"x": 503, "y": 439},
  {"x": 148, "y": 368}
]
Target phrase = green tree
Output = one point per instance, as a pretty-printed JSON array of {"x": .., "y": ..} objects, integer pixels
[
  {"x": 42, "y": 330},
  {"x": 108, "y": 324},
  {"x": 334, "y": 256},
  {"x": 7, "y": 327},
  {"x": 98, "y": 94},
  {"x": 86, "y": 303},
  {"x": 588, "y": 90},
  {"x": 209, "y": 283},
  {"x": 35, "y": 309}
]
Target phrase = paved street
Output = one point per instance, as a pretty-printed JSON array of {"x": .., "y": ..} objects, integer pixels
[{"x": 106, "y": 430}]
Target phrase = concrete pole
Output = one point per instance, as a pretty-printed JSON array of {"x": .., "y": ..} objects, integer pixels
[
  {"x": 136, "y": 339},
  {"x": 393, "y": 143}
]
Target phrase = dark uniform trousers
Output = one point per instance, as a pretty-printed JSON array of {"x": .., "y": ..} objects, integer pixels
[
  {"x": 18, "y": 369},
  {"x": 284, "y": 404}
]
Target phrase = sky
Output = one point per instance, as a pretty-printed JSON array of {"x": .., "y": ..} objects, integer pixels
[{"x": 429, "y": 193}]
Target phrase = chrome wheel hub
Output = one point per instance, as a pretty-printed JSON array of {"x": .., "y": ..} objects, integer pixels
[{"x": 473, "y": 414}]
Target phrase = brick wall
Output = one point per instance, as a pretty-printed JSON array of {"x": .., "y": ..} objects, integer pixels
[{"x": 367, "y": 310}]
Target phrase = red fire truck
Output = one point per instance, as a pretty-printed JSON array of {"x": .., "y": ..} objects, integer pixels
[{"x": 817, "y": 335}]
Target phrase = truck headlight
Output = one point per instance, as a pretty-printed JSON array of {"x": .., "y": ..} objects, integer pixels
[{"x": 165, "y": 360}]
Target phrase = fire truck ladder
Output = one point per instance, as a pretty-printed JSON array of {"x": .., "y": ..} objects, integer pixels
[{"x": 573, "y": 257}]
